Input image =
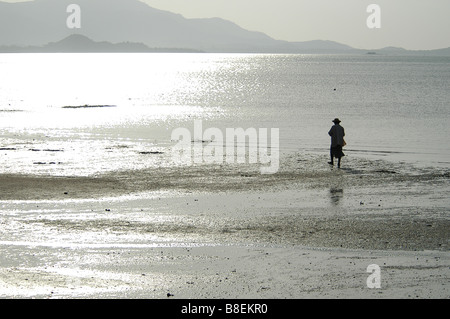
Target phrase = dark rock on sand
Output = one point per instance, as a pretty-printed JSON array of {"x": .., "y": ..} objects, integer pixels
[{"x": 86, "y": 106}]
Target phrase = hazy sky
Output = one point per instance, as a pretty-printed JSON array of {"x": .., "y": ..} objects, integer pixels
[{"x": 411, "y": 24}]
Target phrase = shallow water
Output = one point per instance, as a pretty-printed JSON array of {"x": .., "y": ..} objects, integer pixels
[{"x": 393, "y": 108}]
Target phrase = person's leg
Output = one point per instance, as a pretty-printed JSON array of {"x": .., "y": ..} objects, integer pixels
[
  {"x": 331, "y": 157},
  {"x": 339, "y": 155}
]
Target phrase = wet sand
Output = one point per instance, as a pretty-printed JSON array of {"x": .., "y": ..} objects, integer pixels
[
  {"x": 205, "y": 232},
  {"x": 242, "y": 272},
  {"x": 33, "y": 187}
]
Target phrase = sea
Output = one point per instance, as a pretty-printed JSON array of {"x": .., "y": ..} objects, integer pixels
[{"x": 86, "y": 114}]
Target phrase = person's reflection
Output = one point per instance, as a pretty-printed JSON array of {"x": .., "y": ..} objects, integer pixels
[{"x": 336, "y": 195}]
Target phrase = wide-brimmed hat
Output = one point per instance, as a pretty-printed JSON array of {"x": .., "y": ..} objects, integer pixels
[{"x": 336, "y": 120}]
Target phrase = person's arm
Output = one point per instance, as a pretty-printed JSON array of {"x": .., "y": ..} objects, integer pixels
[{"x": 331, "y": 132}]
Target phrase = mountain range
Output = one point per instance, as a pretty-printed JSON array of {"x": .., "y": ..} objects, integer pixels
[
  {"x": 133, "y": 26},
  {"x": 77, "y": 43}
]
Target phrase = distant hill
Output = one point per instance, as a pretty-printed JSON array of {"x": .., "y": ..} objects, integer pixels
[
  {"x": 133, "y": 26},
  {"x": 36, "y": 23},
  {"x": 77, "y": 43}
]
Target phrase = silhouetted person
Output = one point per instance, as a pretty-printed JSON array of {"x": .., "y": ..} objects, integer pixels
[{"x": 337, "y": 134}]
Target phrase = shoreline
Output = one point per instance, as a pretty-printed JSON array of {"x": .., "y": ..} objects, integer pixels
[
  {"x": 205, "y": 233},
  {"x": 310, "y": 171}
]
